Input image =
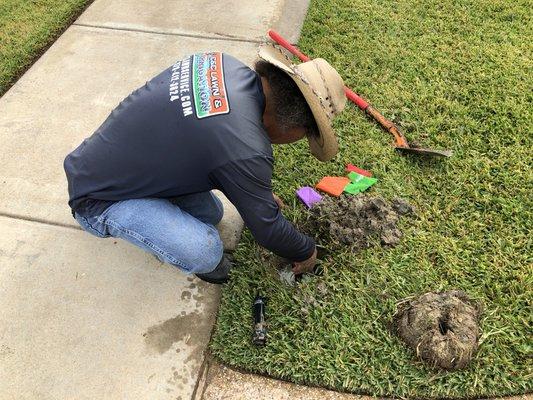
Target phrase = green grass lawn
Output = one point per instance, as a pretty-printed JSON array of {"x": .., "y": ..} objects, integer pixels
[
  {"x": 27, "y": 27},
  {"x": 453, "y": 74}
]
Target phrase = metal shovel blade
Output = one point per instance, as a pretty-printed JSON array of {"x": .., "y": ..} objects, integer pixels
[{"x": 426, "y": 152}]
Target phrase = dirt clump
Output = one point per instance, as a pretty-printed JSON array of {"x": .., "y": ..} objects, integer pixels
[
  {"x": 356, "y": 220},
  {"x": 441, "y": 328},
  {"x": 402, "y": 207}
]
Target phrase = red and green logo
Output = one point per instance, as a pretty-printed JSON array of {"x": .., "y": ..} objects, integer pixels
[{"x": 209, "y": 88}]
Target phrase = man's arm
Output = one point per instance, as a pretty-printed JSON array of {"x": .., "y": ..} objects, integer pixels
[{"x": 247, "y": 184}]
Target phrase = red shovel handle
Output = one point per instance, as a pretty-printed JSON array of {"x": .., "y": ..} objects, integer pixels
[
  {"x": 358, "y": 100},
  {"x": 283, "y": 42},
  {"x": 355, "y": 98}
]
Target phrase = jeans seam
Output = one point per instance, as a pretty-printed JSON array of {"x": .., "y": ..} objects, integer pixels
[
  {"x": 96, "y": 231},
  {"x": 142, "y": 239}
]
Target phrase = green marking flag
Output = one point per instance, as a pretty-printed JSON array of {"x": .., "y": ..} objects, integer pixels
[{"x": 358, "y": 183}]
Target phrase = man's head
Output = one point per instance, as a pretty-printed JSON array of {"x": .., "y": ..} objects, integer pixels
[{"x": 287, "y": 117}]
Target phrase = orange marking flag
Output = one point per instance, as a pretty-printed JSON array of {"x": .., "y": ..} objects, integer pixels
[{"x": 333, "y": 185}]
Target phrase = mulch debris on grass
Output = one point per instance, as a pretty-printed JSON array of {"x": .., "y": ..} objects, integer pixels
[
  {"x": 441, "y": 328},
  {"x": 356, "y": 220}
]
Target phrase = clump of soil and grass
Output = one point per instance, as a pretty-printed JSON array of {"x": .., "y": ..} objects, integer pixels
[
  {"x": 357, "y": 220},
  {"x": 349, "y": 221},
  {"x": 441, "y": 328}
]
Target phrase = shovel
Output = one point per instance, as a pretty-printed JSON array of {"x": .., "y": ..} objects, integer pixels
[{"x": 400, "y": 142}]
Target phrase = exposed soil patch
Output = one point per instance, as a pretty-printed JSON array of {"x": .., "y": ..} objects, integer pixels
[
  {"x": 442, "y": 328},
  {"x": 356, "y": 220}
]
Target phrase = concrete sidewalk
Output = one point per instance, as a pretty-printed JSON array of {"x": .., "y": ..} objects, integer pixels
[{"x": 84, "y": 318}]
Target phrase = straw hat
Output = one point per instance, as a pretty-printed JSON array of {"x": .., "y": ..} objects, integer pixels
[{"x": 323, "y": 89}]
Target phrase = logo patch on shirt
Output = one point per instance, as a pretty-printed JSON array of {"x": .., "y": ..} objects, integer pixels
[{"x": 209, "y": 88}]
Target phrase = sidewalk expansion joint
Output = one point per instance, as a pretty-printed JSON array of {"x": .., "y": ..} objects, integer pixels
[
  {"x": 219, "y": 36},
  {"x": 39, "y": 221}
]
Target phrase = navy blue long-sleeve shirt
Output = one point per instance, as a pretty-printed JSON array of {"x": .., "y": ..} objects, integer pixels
[{"x": 195, "y": 127}]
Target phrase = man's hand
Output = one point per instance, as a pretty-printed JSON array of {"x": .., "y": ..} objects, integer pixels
[
  {"x": 305, "y": 266},
  {"x": 280, "y": 202}
]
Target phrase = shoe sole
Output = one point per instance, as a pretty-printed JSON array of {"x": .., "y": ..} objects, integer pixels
[{"x": 213, "y": 281}]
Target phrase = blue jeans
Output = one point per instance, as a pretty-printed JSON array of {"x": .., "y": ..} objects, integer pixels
[{"x": 179, "y": 231}]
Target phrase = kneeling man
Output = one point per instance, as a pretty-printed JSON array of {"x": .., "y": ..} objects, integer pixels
[{"x": 207, "y": 122}]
